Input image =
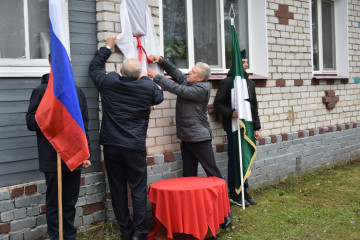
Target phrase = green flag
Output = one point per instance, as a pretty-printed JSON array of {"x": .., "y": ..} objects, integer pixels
[{"x": 239, "y": 101}]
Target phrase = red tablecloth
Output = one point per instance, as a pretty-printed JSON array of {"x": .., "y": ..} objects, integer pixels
[{"x": 189, "y": 205}]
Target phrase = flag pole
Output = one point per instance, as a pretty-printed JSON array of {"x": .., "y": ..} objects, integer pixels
[
  {"x": 241, "y": 168},
  {"x": 232, "y": 18},
  {"x": 60, "y": 212}
]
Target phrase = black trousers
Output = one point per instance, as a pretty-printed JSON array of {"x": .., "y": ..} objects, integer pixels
[
  {"x": 125, "y": 166},
  {"x": 70, "y": 194},
  {"x": 198, "y": 152}
]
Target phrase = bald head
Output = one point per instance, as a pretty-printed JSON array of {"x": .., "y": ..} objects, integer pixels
[{"x": 131, "y": 68}]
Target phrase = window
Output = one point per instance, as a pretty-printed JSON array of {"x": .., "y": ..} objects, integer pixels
[
  {"x": 323, "y": 35},
  {"x": 241, "y": 24},
  {"x": 199, "y": 30},
  {"x": 329, "y": 37},
  {"x": 24, "y": 38}
]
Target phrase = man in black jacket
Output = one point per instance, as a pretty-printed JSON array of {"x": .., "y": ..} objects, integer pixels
[
  {"x": 48, "y": 165},
  {"x": 126, "y": 102},
  {"x": 222, "y": 105}
]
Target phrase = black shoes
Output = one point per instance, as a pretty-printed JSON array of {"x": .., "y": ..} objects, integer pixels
[
  {"x": 138, "y": 238},
  {"x": 238, "y": 201},
  {"x": 250, "y": 199},
  {"x": 123, "y": 237},
  {"x": 228, "y": 221}
]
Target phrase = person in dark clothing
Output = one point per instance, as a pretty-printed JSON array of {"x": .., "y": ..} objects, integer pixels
[
  {"x": 48, "y": 165},
  {"x": 126, "y": 103},
  {"x": 222, "y": 105}
]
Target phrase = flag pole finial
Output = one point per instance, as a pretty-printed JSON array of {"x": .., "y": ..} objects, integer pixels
[{"x": 232, "y": 14}]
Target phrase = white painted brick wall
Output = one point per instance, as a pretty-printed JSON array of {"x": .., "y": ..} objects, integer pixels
[
  {"x": 290, "y": 58},
  {"x": 105, "y": 26},
  {"x": 105, "y": 6}
]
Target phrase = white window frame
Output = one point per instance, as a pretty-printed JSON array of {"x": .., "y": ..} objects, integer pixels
[
  {"x": 17, "y": 67},
  {"x": 341, "y": 40},
  {"x": 258, "y": 41},
  {"x": 257, "y": 37}
]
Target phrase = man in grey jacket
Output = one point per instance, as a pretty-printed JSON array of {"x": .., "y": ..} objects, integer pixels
[{"x": 192, "y": 126}]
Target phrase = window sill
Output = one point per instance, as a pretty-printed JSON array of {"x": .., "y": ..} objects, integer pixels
[
  {"x": 260, "y": 81},
  {"x": 218, "y": 76},
  {"x": 23, "y": 71},
  {"x": 329, "y": 78}
]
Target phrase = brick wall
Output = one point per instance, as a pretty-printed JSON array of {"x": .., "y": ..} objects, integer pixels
[
  {"x": 279, "y": 157},
  {"x": 294, "y": 117},
  {"x": 299, "y": 132},
  {"x": 166, "y": 166},
  {"x": 294, "y": 153},
  {"x": 354, "y": 43},
  {"x": 23, "y": 207},
  {"x": 293, "y": 114},
  {"x": 161, "y": 134},
  {"x": 291, "y": 100}
]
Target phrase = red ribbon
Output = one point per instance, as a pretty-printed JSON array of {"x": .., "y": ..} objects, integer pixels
[{"x": 141, "y": 49}]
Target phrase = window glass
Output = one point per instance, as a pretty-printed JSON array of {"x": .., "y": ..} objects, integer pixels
[
  {"x": 175, "y": 37},
  {"x": 241, "y": 25},
  {"x": 12, "y": 37},
  {"x": 328, "y": 35},
  {"x": 323, "y": 35},
  {"x": 315, "y": 37},
  {"x": 39, "y": 30},
  {"x": 207, "y": 29},
  {"x": 24, "y": 35},
  {"x": 207, "y": 35}
]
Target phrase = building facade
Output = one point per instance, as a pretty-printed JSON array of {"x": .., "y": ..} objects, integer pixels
[{"x": 304, "y": 57}]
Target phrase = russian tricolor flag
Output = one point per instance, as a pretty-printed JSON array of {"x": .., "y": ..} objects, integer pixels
[{"x": 58, "y": 115}]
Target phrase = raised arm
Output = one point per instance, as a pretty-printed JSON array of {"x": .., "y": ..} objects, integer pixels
[
  {"x": 173, "y": 71},
  {"x": 198, "y": 92},
  {"x": 169, "y": 68},
  {"x": 96, "y": 68}
]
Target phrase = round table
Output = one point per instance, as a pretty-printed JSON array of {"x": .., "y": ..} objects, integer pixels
[{"x": 190, "y": 205}]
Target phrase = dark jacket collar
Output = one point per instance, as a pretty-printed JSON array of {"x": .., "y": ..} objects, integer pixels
[{"x": 45, "y": 78}]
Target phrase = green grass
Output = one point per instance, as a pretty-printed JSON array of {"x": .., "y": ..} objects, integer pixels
[{"x": 322, "y": 204}]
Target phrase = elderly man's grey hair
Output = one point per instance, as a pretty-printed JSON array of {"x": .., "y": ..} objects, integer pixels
[
  {"x": 131, "y": 68},
  {"x": 204, "y": 71}
]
